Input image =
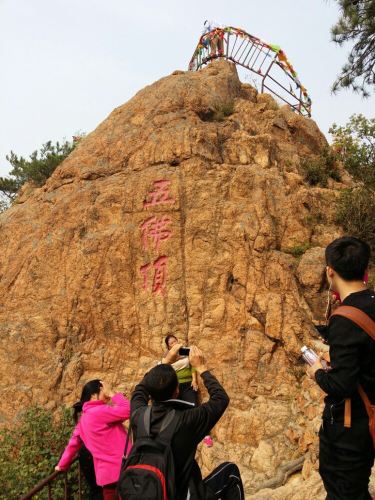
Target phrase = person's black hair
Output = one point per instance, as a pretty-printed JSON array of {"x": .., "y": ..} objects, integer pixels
[
  {"x": 349, "y": 257},
  {"x": 89, "y": 389},
  {"x": 167, "y": 338},
  {"x": 161, "y": 382}
]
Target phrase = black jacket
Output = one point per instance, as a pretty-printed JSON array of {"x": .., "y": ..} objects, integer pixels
[
  {"x": 194, "y": 424},
  {"x": 352, "y": 353}
]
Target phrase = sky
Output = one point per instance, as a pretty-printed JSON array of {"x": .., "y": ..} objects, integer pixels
[{"x": 66, "y": 64}]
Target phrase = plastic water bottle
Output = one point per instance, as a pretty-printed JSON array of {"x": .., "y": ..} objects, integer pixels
[{"x": 309, "y": 355}]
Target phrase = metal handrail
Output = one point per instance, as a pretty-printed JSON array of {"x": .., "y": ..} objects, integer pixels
[
  {"x": 247, "y": 55},
  {"x": 47, "y": 482}
]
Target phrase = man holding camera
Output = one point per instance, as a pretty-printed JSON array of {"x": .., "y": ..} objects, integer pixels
[
  {"x": 346, "y": 447},
  {"x": 160, "y": 385}
]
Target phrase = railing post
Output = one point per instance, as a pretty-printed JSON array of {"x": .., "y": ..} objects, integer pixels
[
  {"x": 266, "y": 73},
  {"x": 47, "y": 483},
  {"x": 79, "y": 481},
  {"x": 66, "y": 486}
]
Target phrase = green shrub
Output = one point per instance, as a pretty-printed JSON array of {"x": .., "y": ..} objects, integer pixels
[
  {"x": 315, "y": 218},
  {"x": 316, "y": 171},
  {"x": 356, "y": 213},
  {"x": 218, "y": 113},
  {"x": 354, "y": 144},
  {"x": 298, "y": 250},
  {"x": 30, "y": 449},
  {"x": 223, "y": 110}
]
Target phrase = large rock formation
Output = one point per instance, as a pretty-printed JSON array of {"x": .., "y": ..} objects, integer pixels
[{"x": 177, "y": 215}]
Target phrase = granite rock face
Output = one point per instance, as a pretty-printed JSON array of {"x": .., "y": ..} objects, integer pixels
[{"x": 183, "y": 212}]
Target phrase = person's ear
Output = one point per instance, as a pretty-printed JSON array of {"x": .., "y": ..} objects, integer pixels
[
  {"x": 330, "y": 272},
  {"x": 176, "y": 392}
]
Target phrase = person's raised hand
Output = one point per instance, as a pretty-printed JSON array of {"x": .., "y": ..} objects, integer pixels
[
  {"x": 196, "y": 359},
  {"x": 107, "y": 390},
  {"x": 195, "y": 386},
  {"x": 172, "y": 354},
  {"x": 57, "y": 468}
]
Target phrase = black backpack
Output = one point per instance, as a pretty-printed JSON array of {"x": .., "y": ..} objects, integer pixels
[{"x": 148, "y": 473}]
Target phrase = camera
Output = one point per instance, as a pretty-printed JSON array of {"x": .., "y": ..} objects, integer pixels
[{"x": 184, "y": 351}]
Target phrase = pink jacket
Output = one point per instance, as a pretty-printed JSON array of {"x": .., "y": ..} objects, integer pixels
[{"x": 100, "y": 429}]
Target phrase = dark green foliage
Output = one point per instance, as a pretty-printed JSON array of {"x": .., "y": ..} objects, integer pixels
[
  {"x": 298, "y": 250},
  {"x": 222, "y": 111},
  {"x": 30, "y": 450},
  {"x": 315, "y": 218},
  {"x": 354, "y": 144},
  {"x": 356, "y": 213},
  {"x": 316, "y": 171},
  {"x": 36, "y": 169},
  {"x": 356, "y": 25},
  {"x": 218, "y": 113}
]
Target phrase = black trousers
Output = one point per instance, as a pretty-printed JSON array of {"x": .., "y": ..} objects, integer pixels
[
  {"x": 225, "y": 482},
  {"x": 187, "y": 393},
  {"x": 345, "y": 459},
  {"x": 87, "y": 466}
]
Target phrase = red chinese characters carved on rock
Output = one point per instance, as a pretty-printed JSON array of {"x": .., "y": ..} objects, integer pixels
[
  {"x": 155, "y": 228},
  {"x": 154, "y": 231},
  {"x": 160, "y": 195},
  {"x": 159, "y": 283}
]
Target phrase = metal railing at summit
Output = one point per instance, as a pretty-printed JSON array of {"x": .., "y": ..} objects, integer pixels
[{"x": 266, "y": 62}]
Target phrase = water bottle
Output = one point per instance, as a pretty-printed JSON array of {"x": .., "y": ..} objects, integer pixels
[{"x": 309, "y": 355}]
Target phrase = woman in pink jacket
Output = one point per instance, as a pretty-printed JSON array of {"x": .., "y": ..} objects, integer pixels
[{"x": 100, "y": 429}]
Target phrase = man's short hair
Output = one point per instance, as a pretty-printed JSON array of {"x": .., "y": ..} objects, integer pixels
[
  {"x": 161, "y": 382},
  {"x": 349, "y": 257}
]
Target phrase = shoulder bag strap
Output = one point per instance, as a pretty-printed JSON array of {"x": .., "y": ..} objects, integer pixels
[
  {"x": 365, "y": 399},
  {"x": 367, "y": 324},
  {"x": 358, "y": 317}
]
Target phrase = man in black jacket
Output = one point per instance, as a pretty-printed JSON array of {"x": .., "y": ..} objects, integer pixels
[
  {"x": 347, "y": 454},
  {"x": 161, "y": 385}
]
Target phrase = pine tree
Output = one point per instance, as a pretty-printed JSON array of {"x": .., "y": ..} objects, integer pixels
[
  {"x": 35, "y": 170},
  {"x": 357, "y": 25}
]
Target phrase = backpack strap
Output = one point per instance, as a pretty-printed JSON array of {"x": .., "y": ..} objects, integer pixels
[
  {"x": 130, "y": 430},
  {"x": 367, "y": 324},
  {"x": 147, "y": 420},
  {"x": 167, "y": 420},
  {"x": 144, "y": 421},
  {"x": 167, "y": 427},
  {"x": 358, "y": 317},
  {"x": 130, "y": 436}
]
